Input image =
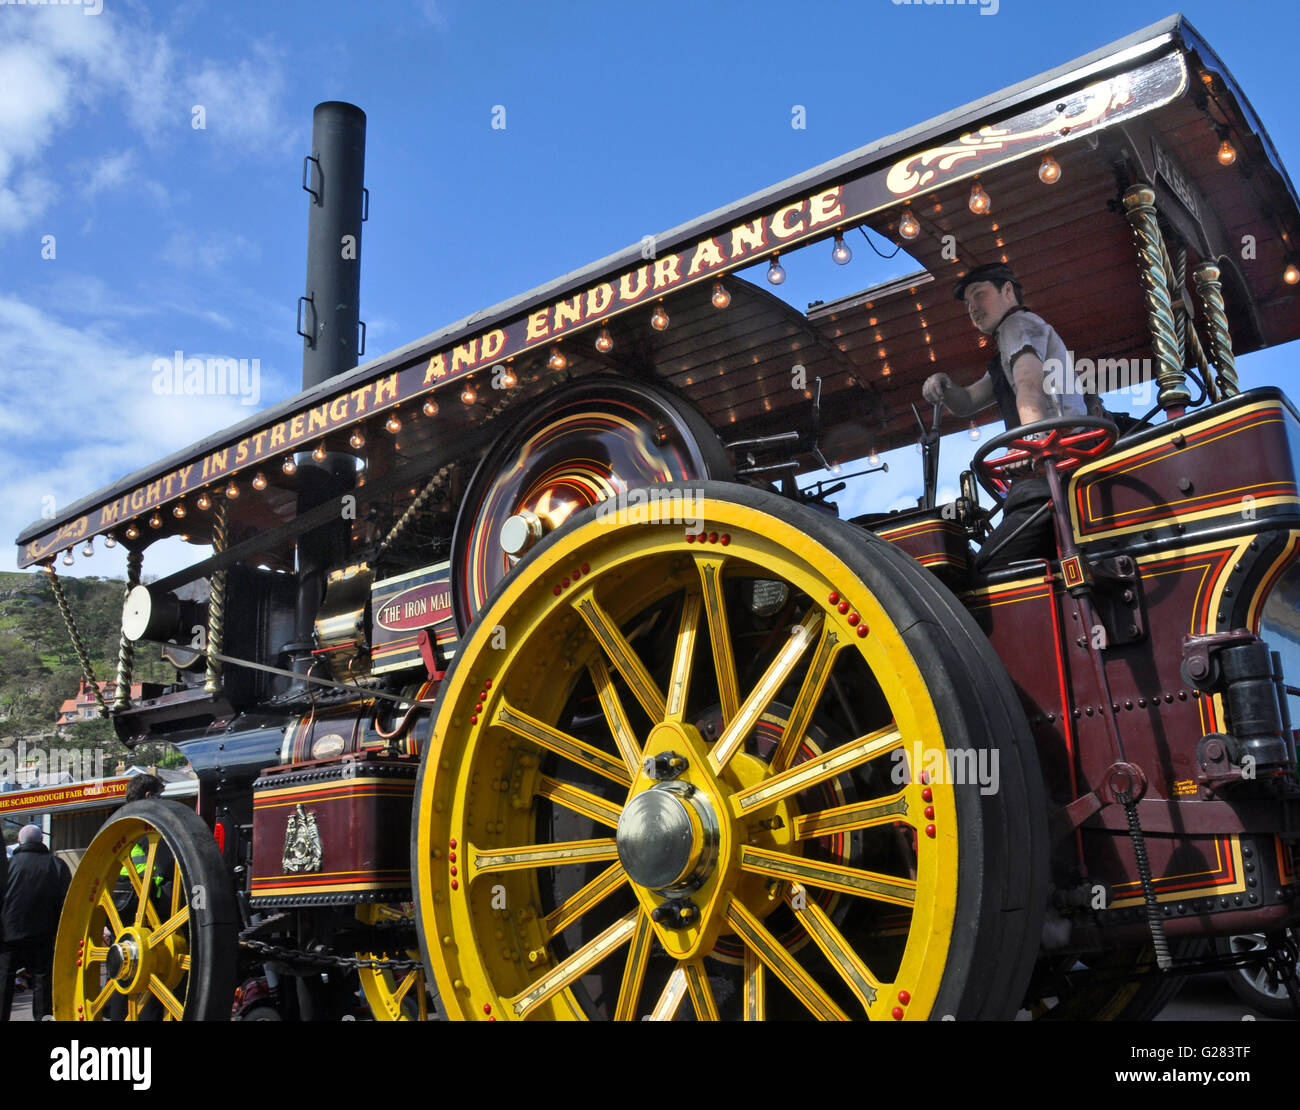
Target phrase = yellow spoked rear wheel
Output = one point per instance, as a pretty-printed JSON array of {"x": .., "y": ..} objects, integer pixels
[
  {"x": 392, "y": 995},
  {"x": 686, "y": 762},
  {"x": 149, "y": 926}
]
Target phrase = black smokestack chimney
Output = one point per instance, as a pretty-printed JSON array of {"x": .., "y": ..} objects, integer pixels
[
  {"x": 333, "y": 174},
  {"x": 327, "y": 320}
]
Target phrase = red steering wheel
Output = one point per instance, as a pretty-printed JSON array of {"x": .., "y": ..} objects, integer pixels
[{"x": 1067, "y": 441}]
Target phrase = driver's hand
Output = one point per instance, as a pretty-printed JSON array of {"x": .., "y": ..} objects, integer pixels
[{"x": 934, "y": 386}]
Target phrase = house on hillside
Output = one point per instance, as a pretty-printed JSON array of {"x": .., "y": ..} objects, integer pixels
[{"x": 84, "y": 707}]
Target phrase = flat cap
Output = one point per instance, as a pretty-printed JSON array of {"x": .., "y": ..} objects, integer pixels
[{"x": 997, "y": 272}]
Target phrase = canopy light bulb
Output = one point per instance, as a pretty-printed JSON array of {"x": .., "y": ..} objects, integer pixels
[
  {"x": 974, "y": 432},
  {"x": 721, "y": 298},
  {"x": 288, "y": 466},
  {"x": 841, "y": 255},
  {"x": 232, "y": 491},
  {"x": 132, "y": 532},
  {"x": 659, "y": 318},
  {"x": 469, "y": 395},
  {"x": 775, "y": 271},
  {"x": 259, "y": 481},
  {"x": 110, "y": 541},
  {"x": 908, "y": 226},
  {"x": 1291, "y": 275},
  {"x": 89, "y": 549},
  {"x": 873, "y": 459},
  {"x": 508, "y": 379},
  {"x": 393, "y": 424},
  {"x": 356, "y": 440},
  {"x": 604, "y": 342},
  {"x": 1049, "y": 170},
  {"x": 178, "y": 510},
  {"x": 155, "y": 521},
  {"x": 430, "y": 407},
  {"x": 204, "y": 502},
  {"x": 979, "y": 200},
  {"x": 1227, "y": 153},
  {"x": 319, "y": 453},
  {"x": 67, "y": 559},
  {"x": 557, "y": 361}
]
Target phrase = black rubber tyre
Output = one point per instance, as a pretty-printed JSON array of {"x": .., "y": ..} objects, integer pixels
[
  {"x": 1251, "y": 984},
  {"x": 196, "y": 958}
]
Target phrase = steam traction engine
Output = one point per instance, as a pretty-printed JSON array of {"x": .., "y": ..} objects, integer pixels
[{"x": 525, "y": 681}]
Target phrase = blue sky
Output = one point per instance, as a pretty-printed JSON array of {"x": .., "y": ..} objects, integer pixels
[{"x": 621, "y": 121}]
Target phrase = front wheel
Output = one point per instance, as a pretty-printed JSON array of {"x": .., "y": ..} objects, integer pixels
[
  {"x": 705, "y": 744},
  {"x": 150, "y": 928}
]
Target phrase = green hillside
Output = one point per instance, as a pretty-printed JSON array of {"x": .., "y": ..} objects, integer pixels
[{"x": 39, "y": 668}]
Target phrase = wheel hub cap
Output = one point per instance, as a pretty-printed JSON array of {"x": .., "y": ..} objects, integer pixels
[{"x": 667, "y": 838}]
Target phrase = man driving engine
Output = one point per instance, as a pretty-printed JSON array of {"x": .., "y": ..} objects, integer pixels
[{"x": 1030, "y": 377}]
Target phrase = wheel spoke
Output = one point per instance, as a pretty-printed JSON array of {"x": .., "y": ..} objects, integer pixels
[
  {"x": 837, "y": 950},
  {"x": 580, "y": 801},
  {"x": 755, "y": 988},
  {"x": 159, "y": 990},
  {"x": 134, "y": 1004},
  {"x": 824, "y": 766},
  {"x": 573, "y": 907},
  {"x": 99, "y": 1001},
  {"x": 94, "y": 954},
  {"x": 787, "y": 969},
  {"x": 671, "y": 998},
  {"x": 576, "y": 965},
  {"x": 733, "y": 735},
  {"x": 178, "y": 887},
  {"x": 521, "y": 724},
  {"x": 615, "y": 714},
  {"x": 402, "y": 989},
  {"x": 855, "y": 815},
  {"x": 621, "y": 654},
  {"x": 110, "y": 912},
  {"x": 145, "y": 908},
  {"x": 724, "y": 660},
  {"x": 819, "y": 670},
  {"x": 170, "y": 926},
  {"x": 541, "y": 855},
  {"x": 688, "y": 634},
  {"x": 697, "y": 983},
  {"x": 638, "y": 956},
  {"x": 829, "y": 876}
]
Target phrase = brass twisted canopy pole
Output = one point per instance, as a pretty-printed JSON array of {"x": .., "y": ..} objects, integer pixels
[
  {"x": 125, "y": 647},
  {"x": 216, "y": 602},
  {"x": 1188, "y": 341},
  {"x": 1210, "y": 292},
  {"x": 1140, "y": 210}
]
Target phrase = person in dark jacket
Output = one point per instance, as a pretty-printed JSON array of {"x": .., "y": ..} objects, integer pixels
[{"x": 29, "y": 919}]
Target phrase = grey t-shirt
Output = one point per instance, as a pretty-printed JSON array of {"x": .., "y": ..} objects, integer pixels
[{"x": 1026, "y": 331}]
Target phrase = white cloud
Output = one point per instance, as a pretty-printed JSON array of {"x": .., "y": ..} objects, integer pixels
[
  {"x": 433, "y": 13},
  {"x": 190, "y": 250},
  {"x": 111, "y": 172},
  {"x": 70, "y": 67},
  {"x": 79, "y": 388},
  {"x": 241, "y": 102}
]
